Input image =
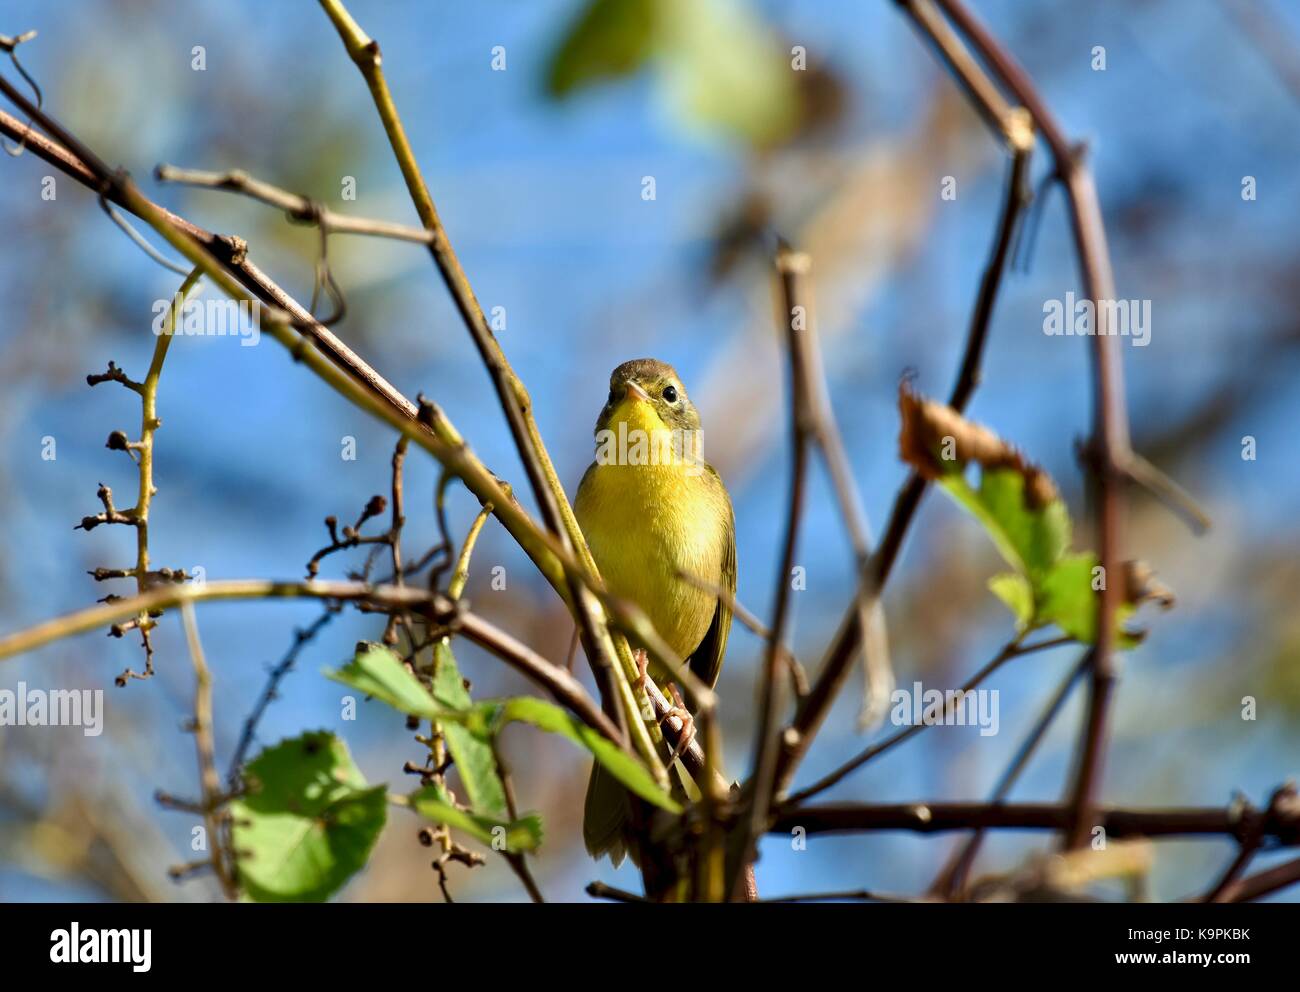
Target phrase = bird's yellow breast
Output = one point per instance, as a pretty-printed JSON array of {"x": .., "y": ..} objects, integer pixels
[{"x": 645, "y": 523}]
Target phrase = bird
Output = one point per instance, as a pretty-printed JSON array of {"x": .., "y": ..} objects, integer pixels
[{"x": 652, "y": 510}]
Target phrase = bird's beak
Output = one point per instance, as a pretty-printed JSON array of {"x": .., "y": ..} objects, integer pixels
[{"x": 636, "y": 392}]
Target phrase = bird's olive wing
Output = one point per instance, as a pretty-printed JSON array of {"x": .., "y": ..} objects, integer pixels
[{"x": 706, "y": 660}]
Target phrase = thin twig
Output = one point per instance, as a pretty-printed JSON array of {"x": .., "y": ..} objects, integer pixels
[
  {"x": 599, "y": 890},
  {"x": 792, "y": 268},
  {"x": 952, "y": 878},
  {"x": 1262, "y": 883},
  {"x": 209, "y": 780},
  {"x": 301, "y": 638},
  {"x": 299, "y": 208},
  {"x": 1013, "y": 649}
]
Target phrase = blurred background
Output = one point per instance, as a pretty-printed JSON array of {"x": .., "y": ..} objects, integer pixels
[{"x": 538, "y": 169}]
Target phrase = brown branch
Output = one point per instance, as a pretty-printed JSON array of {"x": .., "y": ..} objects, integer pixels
[
  {"x": 299, "y": 208},
  {"x": 1262, "y": 883},
  {"x": 849, "y": 895},
  {"x": 1283, "y": 827},
  {"x": 209, "y": 780},
  {"x": 792, "y": 267},
  {"x": 599, "y": 890},
  {"x": 1230, "y": 887},
  {"x": 441, "y": 610}
]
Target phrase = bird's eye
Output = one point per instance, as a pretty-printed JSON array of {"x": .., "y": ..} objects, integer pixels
[
  {"x": 611, "y": 396},
  {"x": 670, "y": 394}
]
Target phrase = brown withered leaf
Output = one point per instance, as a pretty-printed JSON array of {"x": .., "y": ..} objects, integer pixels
[
  {"x": 923, "y": 443},
  {"x": 1142, "y": 586}
]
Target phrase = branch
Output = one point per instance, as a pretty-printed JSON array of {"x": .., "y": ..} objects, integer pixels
[
  {"x": 1230, "y": 888},
  {"x": 1282, "y": 826},
  {"x": 301, "y": 638},
  {"x": 793, "y": 269},
  {"x": 209, "y": 781},
  {"x": 563, "y": 687},
  {"x": 1262, "y": 883},
  {"x": 299, "y": 208}
]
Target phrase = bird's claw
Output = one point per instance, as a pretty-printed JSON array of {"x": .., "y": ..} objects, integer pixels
[{"x": 680, "y": 711}]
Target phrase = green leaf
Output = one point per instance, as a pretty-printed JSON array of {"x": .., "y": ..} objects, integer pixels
[
  {"x": 610, "y": 38},
  {"x": 308, "y": 821},
  {"x": 474, "y": 758},
  {"x": 378, "y": 672},
  {"x": 515, "y": 836},
  {"x": 719, "y": 65},
  {"x": 555, "y": 720},
  {"x": 724, "y": 70},
  {"x": 1070, "y": 602},
  {"x": 1014, "y": 590},
  {"x": 1030, "y": 538},
  {"x": 1068, "y": 599}
]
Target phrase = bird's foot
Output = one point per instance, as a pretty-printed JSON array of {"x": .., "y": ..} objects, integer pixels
[{"x": 680, "y": 711}]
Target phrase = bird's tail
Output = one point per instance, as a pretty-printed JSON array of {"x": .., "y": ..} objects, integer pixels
[{"x": 604, "y": 817}]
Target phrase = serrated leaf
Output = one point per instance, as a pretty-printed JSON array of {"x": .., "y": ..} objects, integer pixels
[
  {"x": 474, "y": 758},
  {"x": 517, "y": 836},
  {"x": 554, "y": 720},
  {"x": 1069, "y": 601},
  {"x": 379, "y": 673},
  {"x": 1014, "y": 590},
  {"x": 1030, "y": 537},
  {"x": 307, "y": 823}
]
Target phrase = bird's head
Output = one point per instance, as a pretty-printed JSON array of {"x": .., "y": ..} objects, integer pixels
[{"x": 649, "y": 395}]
